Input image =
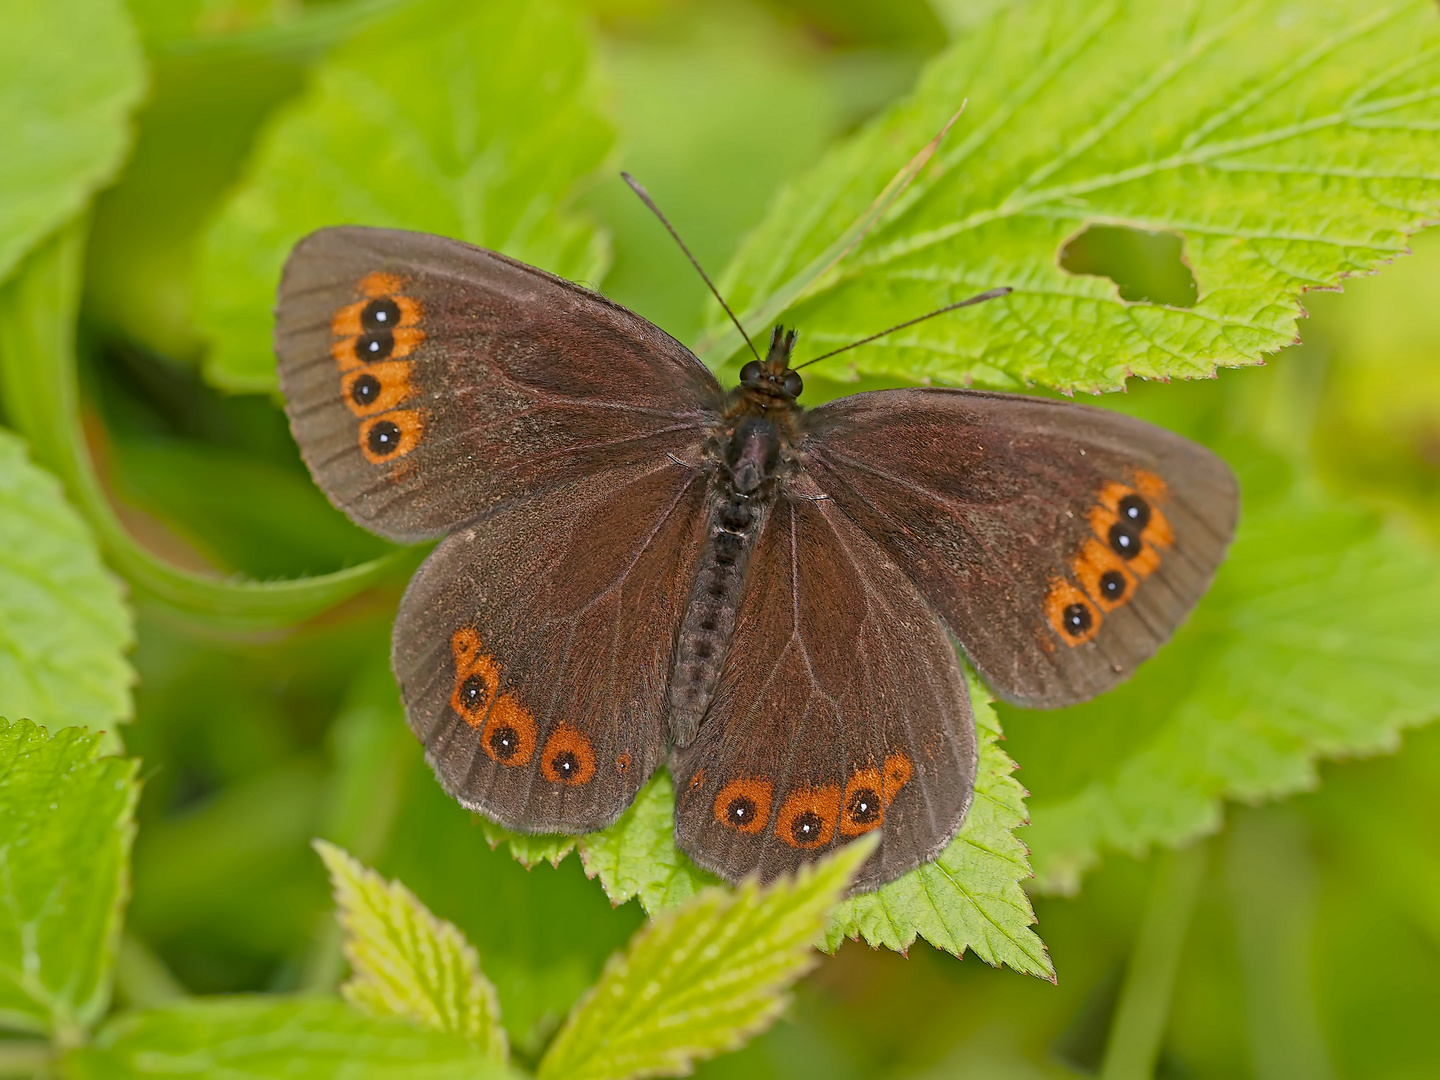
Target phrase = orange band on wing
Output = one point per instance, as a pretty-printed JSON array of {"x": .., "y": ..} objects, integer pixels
[
  {"x": 347, "y": 321},
  {"x": 898, "y": 771},
  {"x": 377, "y": 283},
  {"x": 1158, "y": 533},
  {"x": 352, "y": 352},
  {"x": 807, "y": 818},
  {"x": 1102, "y": 522},
  {"x": 1091, "y": 567},
  {"x": 863, "y": 806},
  {"x": 376, "y": 388},
  {"x": 509, "y": 735},
  {"x": 1071, "y": 613},
  {"x": 1151, "y": 486},
  {"x": 744, "y": 804},
  {"x": 568, "y": 757},
  {"x": 477, "y": 677},
  {"x": 391, "y": 435},
  {"x": 465, "y": 645}
]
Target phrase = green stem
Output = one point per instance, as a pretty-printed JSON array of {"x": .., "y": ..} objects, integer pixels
[
  {"x": 142, "y": 978},
  {"x": 1144, "y": 1008},
  {"x": 38, "y": 309}
]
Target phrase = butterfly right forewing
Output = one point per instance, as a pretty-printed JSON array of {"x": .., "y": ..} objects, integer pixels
[{"x": 1007, "y": 512}]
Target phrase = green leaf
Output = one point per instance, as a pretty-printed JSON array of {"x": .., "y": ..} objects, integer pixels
[
  {"x": 1319, "y": 638},
  {"x": 73, "y": 70},
  {"x": 37, "y": 375},
  {"x": 529, "y": 849},
  {"x": 970, "y": 897},
  {"x": 637, "y": 856},
  {"x": 1287, "y": 146},
  {"x": 703, "y": 978},
  {"x": 64, "y": 628},
  {"x": 257, "y": 1038},
  {"x": 66, "y": 824},
  {"x": 405, "y": 962},
  {"x": 478, "y": 124}
]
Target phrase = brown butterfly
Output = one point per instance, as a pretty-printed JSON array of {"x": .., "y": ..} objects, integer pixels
[{"x": 638, "y": 563}]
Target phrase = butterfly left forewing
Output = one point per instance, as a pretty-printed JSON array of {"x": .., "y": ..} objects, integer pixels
[
  {"x": 532, "y": 648},
  {"x": 428, "y": 380},
  {"x": 841, "y": 710},
  {"x": 1061, "y": 544}
]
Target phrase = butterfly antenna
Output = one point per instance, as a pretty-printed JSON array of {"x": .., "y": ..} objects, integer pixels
[
  {"x": 989, "y": 294},
  {"x": 639, "y": 189}
]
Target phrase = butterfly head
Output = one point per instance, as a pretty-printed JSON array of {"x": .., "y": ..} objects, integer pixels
[{"x": 773, "y": 378}]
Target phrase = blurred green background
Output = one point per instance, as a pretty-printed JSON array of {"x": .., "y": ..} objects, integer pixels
[{"x": 1314, "y": 945}]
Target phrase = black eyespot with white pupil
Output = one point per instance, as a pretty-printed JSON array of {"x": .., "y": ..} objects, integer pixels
[
  {"x": 807, "y": 827},
  {"x": 741, "y": 811},
  {"x": 863, "y": 807},
  {"x": 1135, "y": 512},
  {"x": 384, "y": 438},
  {"x": 1112, "y": 584},
  {"x": 1123, "y": 540},
  {"x": 472, "y": 691},
  {"x": 504, "y": 742},
  {"x": 374, "y": 346},
  {"x": 365, "y": 390},
  {"x": 565, "y": 764},
  {"x": 382, "y": 314},
  {"x": 1076, "y": 619}
]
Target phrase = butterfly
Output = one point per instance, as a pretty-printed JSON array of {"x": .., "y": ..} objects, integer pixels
[{"x": 640, "y": 568}]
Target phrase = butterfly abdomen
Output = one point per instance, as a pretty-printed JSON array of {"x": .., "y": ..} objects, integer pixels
[{"x": 735, "y": 522}]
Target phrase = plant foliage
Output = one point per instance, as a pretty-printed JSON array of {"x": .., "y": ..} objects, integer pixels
[
  {"x": 1288, "y": 148},
  {"x": 405, "y": 962},
  {"x": 64, "y": 628},
  {"x": 1159, "y": 184},
  {"x": 66, "y": 823}
]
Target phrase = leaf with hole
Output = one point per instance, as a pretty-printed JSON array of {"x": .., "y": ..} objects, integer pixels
[{"x": 1287, "y": 147}]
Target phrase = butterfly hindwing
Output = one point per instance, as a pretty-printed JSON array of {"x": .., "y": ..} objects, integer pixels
[
  {"x": 841, "y": 709},
  {"x": 427, "y": 380},
  {"x": 532, "y": 647},
  {"x": 1061, "y": 544}
]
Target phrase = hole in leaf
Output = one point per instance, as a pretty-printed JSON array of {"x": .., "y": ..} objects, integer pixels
[{"x": 1147, "y": 266}]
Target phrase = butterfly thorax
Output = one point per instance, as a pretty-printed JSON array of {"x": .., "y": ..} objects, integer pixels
[
  {"x": 760, "y": 424},
  {"x": 752, "y": 451}
]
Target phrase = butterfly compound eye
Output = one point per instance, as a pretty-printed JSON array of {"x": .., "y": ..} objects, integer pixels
[
  {"x": 751, "y": 372},
  {"x": 793, "y": 384}
]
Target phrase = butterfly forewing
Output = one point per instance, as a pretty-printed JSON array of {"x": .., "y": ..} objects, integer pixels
[
  {"x": 1061, "y": 544},
  {"x": 841, "y": 710},
  {"x": 427, "y": 380},
  {"x": 533, "y": 647}
]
